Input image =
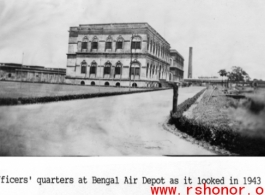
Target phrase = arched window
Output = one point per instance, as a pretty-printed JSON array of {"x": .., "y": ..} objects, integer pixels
[
  {"x": 84, "y": 43},
  {"x": 147, "y": 68},
  {"x": 108, "y": 43},
  {"x": 151, "y": 45},
  {"x": 83, "y": 67},
  {"x": 107, "y": 68},
  {"x": 135, "y": 68},
  {"x": 154, "y": 47},
  {"x": 93, "y": 68},
  {"x": 94, "y": 44},
  {"x": 151, "y": 68},
  {"x": 136, "y": 42},
  {"x": 119, "y": 43},
  {"x": 160, "y": 71},
  {"x": 134, "y": 85},
  {"x": 118, "y": 68}
]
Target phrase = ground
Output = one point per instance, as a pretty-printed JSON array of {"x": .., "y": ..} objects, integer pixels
[
  {"x": 228, "y": 113},
  {"x": 22, "y": 89},
  {"x": 117, "y": 125},
  {"x": 213, "y": 108},
  {"x": 242, "y": 119}
]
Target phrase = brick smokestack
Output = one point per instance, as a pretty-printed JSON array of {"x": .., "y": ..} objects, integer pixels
[{"x": 190, "y": 64}]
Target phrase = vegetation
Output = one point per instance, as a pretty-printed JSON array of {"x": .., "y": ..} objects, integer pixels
[
  {"x": 236, "y": 75},
  {"x": 222, "y": 73},
  {"x": 26, "y": 90},
  {"x": 15, "y": 93},
  {"x": 212, "y": 125},
  {"x": 46, "y": 99}
]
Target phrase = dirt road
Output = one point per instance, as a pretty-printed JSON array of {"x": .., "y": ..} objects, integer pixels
[{"x": 109, "y": 126}]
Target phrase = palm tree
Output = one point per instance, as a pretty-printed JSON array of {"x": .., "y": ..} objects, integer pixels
[{"x": 222, "y": 73}]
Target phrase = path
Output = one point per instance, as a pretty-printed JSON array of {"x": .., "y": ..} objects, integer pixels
[{"x": 116, "y": 125}]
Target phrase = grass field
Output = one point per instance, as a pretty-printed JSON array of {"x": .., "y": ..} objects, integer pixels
[
  {"x": 20, "y": 89},
  {"x": 215, "y": 110},
  {"x": 236, "y": 125}
]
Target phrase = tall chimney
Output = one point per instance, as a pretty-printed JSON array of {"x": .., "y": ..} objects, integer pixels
[{"x": 190, "y": 64}]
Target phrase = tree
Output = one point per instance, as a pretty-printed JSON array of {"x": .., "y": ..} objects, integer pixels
[
  {"x": 222, "y": 73},
  {"x": 238, "y": 74}
]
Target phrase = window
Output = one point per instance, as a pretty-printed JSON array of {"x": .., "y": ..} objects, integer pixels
[
  {"x": 83, "y": 67},
  {"x": 136, "y": 45},
  {"x": 147, "y": 68},
  {"x": 136, "y": 42},
  {"x": 137, "y": 71},
  {"x": 134, "y": 85},
  {"x": 135, "y": 68},
  {"x": 107, "y": 68},
  {"x": 118, "y": 68},
  {"x": 94, "y": 45},
  {"x": 84, "y": 43},
  {"x": 108, "y": 45},
  {"x": 93, "y": 68},
  {"x": 119, "y": 44}
]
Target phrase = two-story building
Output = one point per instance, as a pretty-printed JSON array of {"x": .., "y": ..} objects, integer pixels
[
  {"x": 176, "y": 65},
  {"x": 119, "y": 54}
]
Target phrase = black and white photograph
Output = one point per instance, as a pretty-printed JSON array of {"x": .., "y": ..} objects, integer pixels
[{"x": 142, "y": 78}]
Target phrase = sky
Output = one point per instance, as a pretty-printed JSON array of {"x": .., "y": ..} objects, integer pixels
[{"x": 222, "y": 33}]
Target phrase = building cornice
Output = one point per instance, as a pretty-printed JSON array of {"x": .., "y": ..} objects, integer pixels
[{"x": 116, "y": 27}]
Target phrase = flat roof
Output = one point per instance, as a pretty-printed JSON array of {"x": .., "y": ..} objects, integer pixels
[
  {"x": 125, "y": 25},
  {"x": 175, "y": 51}
]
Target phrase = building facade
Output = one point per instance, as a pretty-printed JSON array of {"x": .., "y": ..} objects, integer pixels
[
  {"x": 123, "y": 54},
  {"x": 19, "y": 72},
  {"x": 176, "y": 66}
]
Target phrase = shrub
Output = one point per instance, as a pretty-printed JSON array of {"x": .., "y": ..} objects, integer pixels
[
  {"x": 35, "y": 100},
  {"x": 219, "y": 136}
]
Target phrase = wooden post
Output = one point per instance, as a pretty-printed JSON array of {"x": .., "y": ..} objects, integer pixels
[{"x": 175, "y": 98}]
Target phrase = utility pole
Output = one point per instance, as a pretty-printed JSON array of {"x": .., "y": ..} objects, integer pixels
[{"x": 175, "y": 98}]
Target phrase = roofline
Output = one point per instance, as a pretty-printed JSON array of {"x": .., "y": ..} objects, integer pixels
[
  {"x": 175, "y": 51},
  {"x": 143, "y": 23}
]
